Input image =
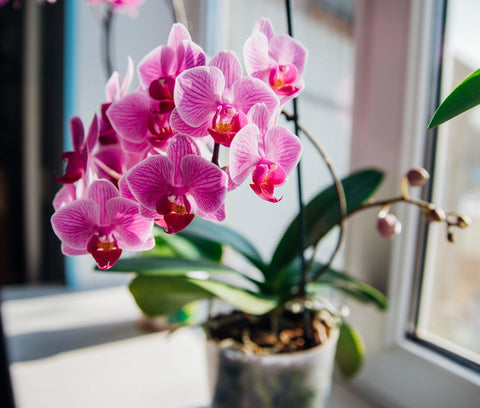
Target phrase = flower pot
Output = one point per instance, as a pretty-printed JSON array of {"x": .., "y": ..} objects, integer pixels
[{"x": 298, "y": 379}]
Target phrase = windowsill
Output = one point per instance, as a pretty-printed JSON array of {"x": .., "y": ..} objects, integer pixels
[{"x": 86, "y": 348}]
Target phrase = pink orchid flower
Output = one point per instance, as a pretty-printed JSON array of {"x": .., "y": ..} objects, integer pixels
[
  {"x": 142, "y": 119},
  {"x": 276, "y": 59},
  {"x": 103, "y": 224},
  {"x": 215, "y": 100},
  {"x": 115, "y": 89},
  {"x": 77, "y": 159},
  {"x": 178, "y": 185},
  {"x": 268, "y": 153},
  {"x": 159, "y": 68},
  {"x": 140, "y": 129}
]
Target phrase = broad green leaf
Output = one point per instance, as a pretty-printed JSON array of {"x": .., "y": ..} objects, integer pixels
[
  {"x": 355, "y": 288},
  {"x": 242, "y": 299},
  {"x": 322, "y": 214},
  {"x": 206, "y": 248},
  {"x": 157, "y": 295},
  {"x": 170, "y": 266},
  {"x": 163, "y": 295},
  {"x": 215, "y": 232},
  {"x": 172, "y": 245},
  {"x": 464, "y": 97},
  {"x": 350, "y": 352}
]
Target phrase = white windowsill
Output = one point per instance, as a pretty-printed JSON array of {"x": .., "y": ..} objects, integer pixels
[{"x": 82, "y": 349}]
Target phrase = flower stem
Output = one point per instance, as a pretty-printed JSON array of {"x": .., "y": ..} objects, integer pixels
[
  {"x": 301, "y": 207},
  {"x": 215, "y": 154},
  {"x": 342, "y": 201},
  {"x": 107, "y": 49}
]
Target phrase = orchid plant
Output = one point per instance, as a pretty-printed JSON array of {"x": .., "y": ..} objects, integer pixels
[{"x": 147, "y": 176}]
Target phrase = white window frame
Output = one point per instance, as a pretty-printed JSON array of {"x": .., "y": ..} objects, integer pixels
[{"x": 393, "y": 90}]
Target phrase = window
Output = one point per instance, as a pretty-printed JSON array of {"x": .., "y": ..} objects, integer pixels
[
  {"x": 398, "y": 55},
  {"x": 449, "y": 303}
]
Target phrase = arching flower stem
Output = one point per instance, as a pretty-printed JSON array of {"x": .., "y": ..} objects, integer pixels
[
  {"x": 342, "y": 202},
  {"x": 107, "y": 20}
]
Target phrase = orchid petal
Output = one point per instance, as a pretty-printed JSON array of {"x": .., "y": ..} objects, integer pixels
[
  {"x": 131, "y": 229},
  {"x": 77, "y": 133},
  {"x": 136, "y": 148},
  {"x": 151, "y": 179},
  {"x": 217, "y": 216},
  {"x": 158, "y": 63},
  {"x": 282, "y": 147},
  {"x": 256, "y": 56},
  {"x": 124, "y": 188},
  {"x": 64, "y": 196},
  {"x": 178, "y": 34},
  {"x": 69, "y": 251},
  {"x": 101, "y": 191},
  {"x": 285, "y": 50},
  {"x": 260, "y": 116},
  {"x": 229, "y": 64},
  {"x": 179, "y": 125},
  {"x": 206, "y": 183},
  {"x": 179, "y": 147},
  {"x": 92, "y": 135},
  {"x": 248, "y": 91},
  {"x": 193, "y": 56},
  {"x": 112, "y": 87},
  {"x": 244, "y": 153},
  {"x": 197, "y": 94},
  {"x": 127, "y": 80},
  {"x": 129, "y": 116},
  {"x": 75, "y": 223},
  {"x": 264, "y": 25}
]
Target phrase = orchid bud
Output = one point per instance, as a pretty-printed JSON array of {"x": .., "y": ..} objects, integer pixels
[
  {"x": 417, "y": 176},
  {"x": 463, "y": 222},
  {"x": 435, "y": 215},
  {"x": 388, "y": 226}
]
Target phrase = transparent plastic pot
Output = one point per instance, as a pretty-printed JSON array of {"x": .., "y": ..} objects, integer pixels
[{"x": 291, "y": 380}]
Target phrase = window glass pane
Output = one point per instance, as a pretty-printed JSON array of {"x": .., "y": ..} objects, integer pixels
[{"x": 450, "y": 296}]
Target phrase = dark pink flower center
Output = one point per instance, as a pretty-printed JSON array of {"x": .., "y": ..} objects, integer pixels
[
  {"x": 265, "y": 177},
  {"x": 159, "y": 127},
  {"x": 104, "y": 250},
  {"x": 176, "y": 213},
  {"x": 226, "y": 122},
  {"x": 106, "y": 134},
  {"x": 161, "y": 91},
  {"x": 75, "y": 168},
  {"x": 282, "y": 79}
]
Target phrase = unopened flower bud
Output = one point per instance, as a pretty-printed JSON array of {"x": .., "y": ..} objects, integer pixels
[
  {"x": 417, "y": 176},
  {"x": 388, "y": 226},
  {"x": 435, "y": 215},
  {"x": 463, "y": 222},
  {"x": 451, "y": 236}
]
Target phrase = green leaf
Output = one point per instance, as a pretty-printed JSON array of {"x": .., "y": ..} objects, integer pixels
[
  {"x": 188, "y": 246},
  {"x": 172, "y": 245},
  {"x": 350, "y": 352},
  {"x": 322, "y": 214},
  {"x": 154, "y": 265},
  {"x": 355, "y": 288},
  {"x": 217, "y": 233},
  {"x": 163, "y": 295},
  {"x": 156, "y": 294},
  {"x": 242, "y": 299},
  {"x": 464, "y": 97}
]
